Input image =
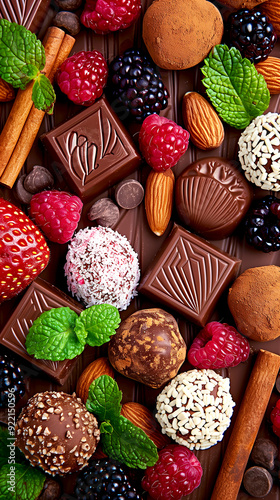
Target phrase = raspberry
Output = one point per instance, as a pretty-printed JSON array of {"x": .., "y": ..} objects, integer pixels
[
  {"x": 218, "y": 345},
  {"x": 57, "y": 213},
  {"x": 162, "y": 142},
  {"x": 275, "y": 419},
  {"x": 262, "y": 224},
  {"x": 83, "y": 76},
  {"x": 177, "y": 473},
  {"x": 104, "y": 16}
]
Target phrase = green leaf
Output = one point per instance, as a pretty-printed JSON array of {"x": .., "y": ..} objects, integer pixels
[
  {"x": 52, "y": 335},
  {"x": 43, "y": 94},
  {"x": 6, "y": 445},
  {"x": 28, "y": 481},
  {"x": 22, "y": 55},
  {"x": 97, "y": 324},
  {"x": 129, "y": 444},
  {"x": 104, "y": 398},
  {"x": 238, "y": 92}
]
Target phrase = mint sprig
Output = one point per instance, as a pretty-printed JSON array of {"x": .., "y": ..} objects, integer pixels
[
  {"x": 120, "y": 438},
  {"x": 234, "y": 86},
  {"x": 22, "y": 58},
  {"x": 60, "y": 333}
]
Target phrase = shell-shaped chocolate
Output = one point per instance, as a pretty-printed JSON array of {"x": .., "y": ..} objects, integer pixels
[{"x": 212, "y": 197}]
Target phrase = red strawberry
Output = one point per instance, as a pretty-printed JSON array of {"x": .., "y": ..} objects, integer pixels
[{"x": 24, "y": 252}]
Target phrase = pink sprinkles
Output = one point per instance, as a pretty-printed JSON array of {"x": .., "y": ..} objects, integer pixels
[{"x": 102, "y": 267}]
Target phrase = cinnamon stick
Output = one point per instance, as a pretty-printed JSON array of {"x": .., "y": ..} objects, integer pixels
[
  {"x": 246, "y": 426},
  {"x": 23, "y": 102},
  {"x": 32, "y": 124}
]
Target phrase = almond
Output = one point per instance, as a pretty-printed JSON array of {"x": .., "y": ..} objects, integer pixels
[
  {"x": 202, "y": 122},
  {"x": 100, "y": 366},
  {"x": 159, "y": 200},
  {"x": 7, "y": 92},
  {"x": 271, "y": 9},
  {"x": 270, "y": 70},
  {"x": 142, "y": 417}
]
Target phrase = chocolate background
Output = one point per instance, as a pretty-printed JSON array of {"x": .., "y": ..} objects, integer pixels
[{"x": 133, "y": 224}]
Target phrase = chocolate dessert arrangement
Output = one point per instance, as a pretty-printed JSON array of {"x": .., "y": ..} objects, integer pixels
[{"x": 139, "y": 249}]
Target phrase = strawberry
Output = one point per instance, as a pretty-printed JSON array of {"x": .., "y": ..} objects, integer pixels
[{"x": 24, "y": 252}]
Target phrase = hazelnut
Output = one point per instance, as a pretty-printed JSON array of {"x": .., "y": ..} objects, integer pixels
[
  {"x": 104, "y": 212},
  {"x": 67, "y": 21},
  {"x": 38, "y": 179}
]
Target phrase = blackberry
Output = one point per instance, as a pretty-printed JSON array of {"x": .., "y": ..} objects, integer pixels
[
  {"x": 251, "y": 33},
  {"x": 105, "y": 480},
  {"x": 262, "y": 224},
  {"x": 136, "y": 87},
  {"x": 11, "y": 381}
]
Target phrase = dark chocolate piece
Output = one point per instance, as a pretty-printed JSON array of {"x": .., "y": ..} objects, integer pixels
[
  {"x": 40, "y": 296},
  {"x": 38, "y": 179},
  {"x": 189, "y": 275},
  {"x": 277, "y": 383},
  {"x": 28, "y": 13},
  {"x": 104, "y": 212},
  {"x": 264, "y": 453},
  {"x": 212, "y": 197},
  {"x": 129, "y": 194},
  {"x": 257, "y": 481},
  {"x": 93, "y": 150}
]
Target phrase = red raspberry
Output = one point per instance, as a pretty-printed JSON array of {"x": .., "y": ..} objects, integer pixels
[
  {"x": 177, "y": 473},
  {"x": 218, "y": 345},
  {"x": 162, "y": 142},
  {"x": 83, "y": 76},
  {"x": 275, "y": 419},
  {"x": 104, "y": 16},
  {"x": 57, "y": 213}
]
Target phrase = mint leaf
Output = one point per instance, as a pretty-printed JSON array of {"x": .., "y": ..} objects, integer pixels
[
  {"x": 96, "y": 324},
  {"x": 238, "y": 92},
  {"x": 104, "y": 398},
  {"x": 52, "y": 335},
  {"x": 43, "y": 94},
  {"x": 129, "y": 444},
  {"x": 29, "y": 482},
  {"x": 6, "y": 448},
  {"x": 21, "y": 54}
]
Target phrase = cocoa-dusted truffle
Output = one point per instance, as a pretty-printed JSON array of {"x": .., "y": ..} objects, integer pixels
[
  {"x": 56, "y": 432},
  {"x": 148, "y": 347},
  {"x": 254, "y": 302}
]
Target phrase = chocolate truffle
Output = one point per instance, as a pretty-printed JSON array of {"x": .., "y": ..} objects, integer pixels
[
  {"x": 195, "y": 408},
  {"x": 148, "y": 347},
  {"x": 56, "y": 432},
  {"x": 254, "y": 302}
]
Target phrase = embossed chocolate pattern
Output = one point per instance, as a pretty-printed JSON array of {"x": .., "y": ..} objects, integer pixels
[
  {"x": 189, "y": 275},
  {"x": 212, "y": 197},
  {"x": 28, "y": 13}
]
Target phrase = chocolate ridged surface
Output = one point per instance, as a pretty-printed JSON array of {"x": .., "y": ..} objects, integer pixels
[{"x": 28, "y": 13}]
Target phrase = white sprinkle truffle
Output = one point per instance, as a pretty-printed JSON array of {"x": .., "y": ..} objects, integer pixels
[
  {"x": 102, "y": 267},
  {"x": 195, "y": 409}
]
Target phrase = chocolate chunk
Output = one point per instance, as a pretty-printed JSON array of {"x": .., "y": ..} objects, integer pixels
[
  {"x": 212, "y": 197},
  {"x": 22, "y": 195},
  {"x": 68, "y": 21},
  {"x": 189, "y": 275},
  {"x": 28, "y": 13},
  {"x": 264, "y": 452},
  {"x": 104, "y": 212},
  {"x": 257, "y": 481},
  {"x": 129, "y": 194},
  {"x": 39, "y": 178},
  {"x": 93, "y": 150},
  {"x": 40, "y": 296}
]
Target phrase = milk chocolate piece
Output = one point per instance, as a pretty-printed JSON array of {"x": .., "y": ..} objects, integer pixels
[
  {"x": 189, "y": 275},
  {"x": 257, "y": 482},
  {"x": 129, "y": 194},
  {"x": 212, "y": 197},
  {"x": 93, "y": 150},
  {"x": 264, "y": 453},
  {"x": 28, "y": 13},
  {"x": 40, "y": 296}
]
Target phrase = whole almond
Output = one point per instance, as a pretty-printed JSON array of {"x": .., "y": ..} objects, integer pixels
[
  {"x": 201, "y": 120},
  {"x": 7, "y": 92},
  {"x": 142, "y": 417},
  {"x": 270, "y": 70},
  {"x": 271, "y": 9},
  {"x": 100, "y": 366},
  {"x": 159, "y": 200}
]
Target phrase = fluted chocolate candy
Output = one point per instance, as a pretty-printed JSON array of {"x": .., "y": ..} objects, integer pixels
[{"x": 148, "y": 347}]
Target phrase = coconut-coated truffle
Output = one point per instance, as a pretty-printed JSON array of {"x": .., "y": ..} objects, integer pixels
[{"x": 56, "y": 432}]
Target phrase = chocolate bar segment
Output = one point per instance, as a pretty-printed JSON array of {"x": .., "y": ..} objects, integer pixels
[
  {"x": 93, "y": 150},
  {"x": 28, "y": 13},
  {"x": 189, "y": 275},
  {"x": 40, "y": 296}
]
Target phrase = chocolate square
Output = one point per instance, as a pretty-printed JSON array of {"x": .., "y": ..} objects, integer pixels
[
  {"x": 28, "y": 13},
  {"x": 189, "y": 275},
  {"x": 93, "y": 150},
  {"x": 40, "y": 296}
]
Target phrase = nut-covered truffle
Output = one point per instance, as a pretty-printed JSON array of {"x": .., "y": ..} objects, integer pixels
[
  {"x": 56, "y": 432},
  {"x": 148, "y": 347},
  {"x": 254, "y": 302}
]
